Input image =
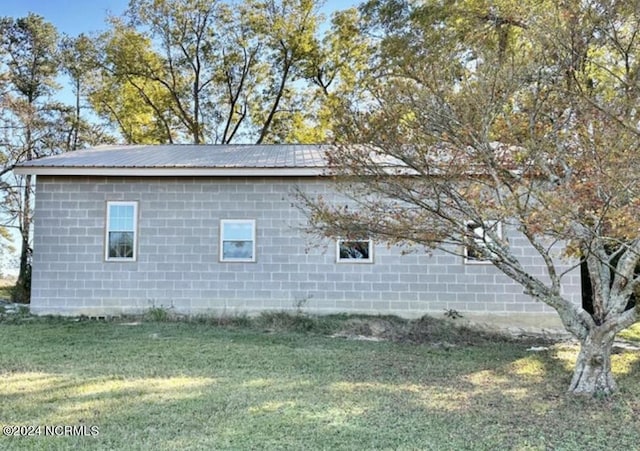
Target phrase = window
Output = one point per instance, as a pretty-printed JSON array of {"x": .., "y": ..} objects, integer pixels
[
  {"x": 481, "y": 238},
  {"x": 237, "y": 240},
  {"x": 354, "y": 251},
  {"x": 121, "y": 240}
]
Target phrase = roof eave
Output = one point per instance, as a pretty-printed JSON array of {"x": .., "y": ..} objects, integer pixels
[{"x": 171, "y": 172}]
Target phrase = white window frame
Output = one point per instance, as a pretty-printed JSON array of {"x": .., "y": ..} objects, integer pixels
[
  {"x": 354, "y": 260},
  {"x": 479, "y": 232},
  {"x": 134, "y": 257},
  {"x": 252, "y": 222}
]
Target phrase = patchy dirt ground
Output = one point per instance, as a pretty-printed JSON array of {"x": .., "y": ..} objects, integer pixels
[{"x": 428, "y": 330}]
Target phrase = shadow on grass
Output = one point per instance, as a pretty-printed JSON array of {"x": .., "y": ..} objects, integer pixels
[{"x": 175, "y": 386}]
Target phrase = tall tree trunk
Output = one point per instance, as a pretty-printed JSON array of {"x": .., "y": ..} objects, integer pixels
[
  {"x": 592, "y": 374},
  {"x": 22, "y": 291},
  {"x": 276, "y": 102},
  {"x": 76, "y": 119},
  {"x": 195, "y": 125}
]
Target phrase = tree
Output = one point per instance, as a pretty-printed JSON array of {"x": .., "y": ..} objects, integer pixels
[
  {"x": 515, "y": 113},
  {"x": 184, "y": 31},
  {"x": 288, "y": 29},
  {"x": 175, "y": 71},
  {"x": 29, "y": 48},
  {"x": 204, "y": 71},
  {"x": 78, "y": 62},
  {"x": 337, "y": 71},
  {"x": 239, "y": 75},
  {"x": 121, "y": 93}
]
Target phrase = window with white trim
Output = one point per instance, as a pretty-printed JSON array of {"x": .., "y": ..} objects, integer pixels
[
  {"x": 481, "y": 238},
  {"x": 238, "y": 240},
  {"x": 354, "y": 251},
  {"x": 121, "y": 235}
]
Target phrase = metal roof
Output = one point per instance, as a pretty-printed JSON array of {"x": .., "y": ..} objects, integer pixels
[{"x": 174, "y": 160}]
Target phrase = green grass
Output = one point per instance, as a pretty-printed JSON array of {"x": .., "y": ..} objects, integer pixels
[
  {"x": 254, "y": 385},
  {"x": 5, "y": 290},
  {"x": 632, "y": 333}
]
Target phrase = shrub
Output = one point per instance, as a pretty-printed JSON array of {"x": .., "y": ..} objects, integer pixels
[{"x": 158, "y": 314}]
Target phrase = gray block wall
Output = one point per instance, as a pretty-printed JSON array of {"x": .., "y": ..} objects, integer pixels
[{"x": 178, "y": 263}]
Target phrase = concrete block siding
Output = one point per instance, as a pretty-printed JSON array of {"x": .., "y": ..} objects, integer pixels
[{"x": 178, "y": 256}]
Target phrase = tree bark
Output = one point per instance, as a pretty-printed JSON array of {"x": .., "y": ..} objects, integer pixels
[
  {"x": 592, "y": 374},
  {"x": 22, "y": 290}
]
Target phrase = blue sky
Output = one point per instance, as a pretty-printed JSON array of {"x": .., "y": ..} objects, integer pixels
[
  {"x": 69, "y": 16},
  {"x": 82, "y": 16}
]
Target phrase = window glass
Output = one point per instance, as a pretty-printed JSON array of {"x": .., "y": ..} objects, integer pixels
[
  {"x": 356, "y": 251},
  {"x": 121, "y": 217},
  {"x": 480, "y": 237},
  {"x": 121, "y": 231},
  {"x": 237, "y": 240},
  {"x": 238, "y": 231}
]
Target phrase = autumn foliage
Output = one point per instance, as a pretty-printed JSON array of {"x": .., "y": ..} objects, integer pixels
[{"x": 515, "y": 113}]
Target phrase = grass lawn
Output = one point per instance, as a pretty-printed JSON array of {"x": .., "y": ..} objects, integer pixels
[
  {"x": 6, "y": 286},
  {"x": 179, "y": 385}
]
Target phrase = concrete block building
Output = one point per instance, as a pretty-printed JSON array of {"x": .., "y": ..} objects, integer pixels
[{"x": 216, "y": 229}]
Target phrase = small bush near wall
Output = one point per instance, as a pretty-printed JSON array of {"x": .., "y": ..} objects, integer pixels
[{"x": 158, "y": 314}]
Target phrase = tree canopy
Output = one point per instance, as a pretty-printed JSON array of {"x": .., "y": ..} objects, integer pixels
[
  {"x": 33, "y": 122},
  {"x": 211, "y": 72},
  {"x": 522, "y": 114}
]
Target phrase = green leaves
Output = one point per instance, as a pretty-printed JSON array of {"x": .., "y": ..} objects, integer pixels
[
  {"x": 30, "y": 44},
  {"x": 202, "y": 71}
]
